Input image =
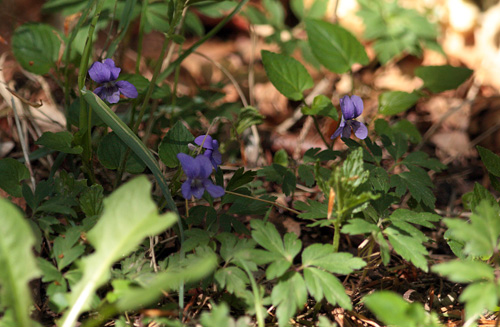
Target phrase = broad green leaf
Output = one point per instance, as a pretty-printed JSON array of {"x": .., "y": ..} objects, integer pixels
[
  {"x": 219, "y": 316},
  {"x": 233, "y": 279},
  {"x": 12, "y": 172},
  {"x": 127, "y": 136},
  {"x": 129, "y": 216},
  {"x": 465, "y": 271},
  {"x": 65, "y": 249},
  {"x": 275, "y": 12},
  {"x": 175, "y": 141},
  {"x": 405, "y": 127},
  {"x": 481, "y": 234},
  {"x": 321, "y": 106},
  {"x": 17, "y": 262},
  {"x": 395, "y": 102},
  {"x": 281, "y": 158},
  {"x": 283, "y": 251},
  {"x": 479, "y": 297},
  {"x": 287, "y": 74},
  {"x": 334, "y": 47},
  {"x": 358, "y": 226},
  {"x": 393, "y": 310},
  {"x": 479, "y": 194},
  {"x": 248, "y": 117},
  {"x": 323, "y": 256},
  {"x": 60, "y": 141},
  {"x": 323, "y": 284},
  {"x": 267, "y": 236},
  {"x": 490, "y": 160},
  {"x": 442, "y": 78},
  {"x": 240, "y": 178},
  {"x": 289, "y": 295},
  {"x": 111, "y": 152},
  {"x": 191, "y": 269},
  {"x": 36, "y": 47},
  {"x": 408, "y": 247}
]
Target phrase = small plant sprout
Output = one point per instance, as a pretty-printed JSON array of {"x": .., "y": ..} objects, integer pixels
[
  {"x": 198, "y": 171},
  {"x": 106, "y": 73},
  {"x": 352, "y": 107},
  {"x": 211, "y": 147}
]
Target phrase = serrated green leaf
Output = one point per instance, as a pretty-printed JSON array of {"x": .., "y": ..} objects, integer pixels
[
  {"x": 280, "y": 175},
  {"x": 481, "y": 234},
  {"x": 417, "y": 182},
  {"x": 312, "y": 209},
  {"x": 479, "y": 194},
  {"x": 266, "y": 235},
  {"x": 408, "y": 247},
  {"x": 289, "y": 295},
  {"x": 306, "y": 175},
  {"x": 111, "y": 152},
  {"x": 419, "y": 158},
  {"x": 91, "y": 200},
  {"x": 358, "y": 226},
  {"x": 233, "y": 279},
  {"x": 425, "y": 219},
  {"x": 60, "y": 141},
  {"x": 395, "y": 102},
  {"x": 465, "y": 271},
  {"x": 36, "y": 47},
  {"x": 17, "y": 262},
  {"x": 334, "y": 47},
  {"x": 479, "y": 297},
  {"x": 323, "y": 284},
  {"x": 175, "y": 141},
  {"x": 442, "y": 78},
  {"x": 323, "y": 256},
  {"x": 490, "y": 160},
  {"x": 12, "y": 172},
  {"x": 129, "y": 216}
]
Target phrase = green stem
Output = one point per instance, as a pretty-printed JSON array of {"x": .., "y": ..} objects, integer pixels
[
  {"x": 256, "y": 293},
  {"x": 141, "y": 35},
  {"x": 207, "y": 36},
  {"x": 67, "y": 56},
  {"x": 315, "y": 120},
  {"x": 85, "y": 110},
  {"x": 336, "y": 235},
  {"x": 265, "y": 201}
]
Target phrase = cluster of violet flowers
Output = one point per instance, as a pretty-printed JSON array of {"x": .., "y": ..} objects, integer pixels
[{"x": 199, "y": 168}]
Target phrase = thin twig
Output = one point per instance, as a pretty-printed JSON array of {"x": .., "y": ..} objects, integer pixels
[{"x": 265, "y": 201}]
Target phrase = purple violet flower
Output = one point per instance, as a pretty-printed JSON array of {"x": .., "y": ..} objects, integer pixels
[
  {"x": 106, "y": 73},
  {"x": 351, "y": 107},
  {"x": 211, "y": 147},
  {"x": 198, "y": 171}
]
